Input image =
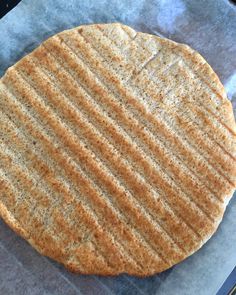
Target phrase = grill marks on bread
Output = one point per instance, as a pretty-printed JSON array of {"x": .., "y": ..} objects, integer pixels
[{"x": 117, "y": 147}]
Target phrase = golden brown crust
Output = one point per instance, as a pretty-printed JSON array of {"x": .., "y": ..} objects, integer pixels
[{"x": 117, "y": 150}]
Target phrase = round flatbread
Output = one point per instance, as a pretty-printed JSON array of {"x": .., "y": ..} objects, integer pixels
[{"x": 117, "y": 150}]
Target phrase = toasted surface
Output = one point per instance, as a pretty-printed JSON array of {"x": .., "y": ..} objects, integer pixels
[{"x": 117, "y": 150}]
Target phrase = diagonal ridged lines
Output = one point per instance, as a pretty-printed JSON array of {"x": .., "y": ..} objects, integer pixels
[
  {"x": 212, "y": 113},
  {"x": 64, "y": 160},
  {"x": 204, "y": 98},
  {"x": 85, "y": 215},
  {"x": 70, "y": 65},
  {"x": 211, "y": 127},
  {"x": 58, "y": 187},
  {"x": 177, "y": 118},
  {"x": 38, "y": 164},
  {"x": 100, "y": 144},
  {"x": 146, "y": 144},
  {"x": 91, "y": 109},
  {"x": 38, "y": 237},
  {"x": 197, "y": 71},
  {"x": 107, "y": 131},
  {"x": 109, "y": 89},
  {"x": 190, "y": 111},
  {"x": 90, "y": 103},
  {"x": 35, "y": 191},
  {"x": 109, "y": 161},
  {"x": 113, "y": 79},
  {"x": 165, "y": 81},
  {"x": 201, "y": 79},
  {"x": 37, "y": 231},
  {"x": 103, "y": 73},
  {"x": 22, "y": 180},
  {"x": 224, "y": 164},
  {"x": 20, "y": 177},
  {"x": 6, "y": 159},
  {"x": 172, "y": 191},
  {"x": 101, "y": 178},
  {"x": 180, "y": 71},
  {"x": 127, "y": 145}
]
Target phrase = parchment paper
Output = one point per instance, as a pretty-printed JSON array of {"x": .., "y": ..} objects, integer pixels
[{"x": 208, "y": 26}]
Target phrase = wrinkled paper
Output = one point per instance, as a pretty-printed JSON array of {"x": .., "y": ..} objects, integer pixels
[{"x": 207, "y": 26}]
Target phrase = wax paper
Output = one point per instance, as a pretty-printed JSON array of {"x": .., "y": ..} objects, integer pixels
[{"x": 207, "y": 26}]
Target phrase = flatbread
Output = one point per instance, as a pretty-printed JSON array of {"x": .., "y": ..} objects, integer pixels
[{"x": 117, "y": 150}]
